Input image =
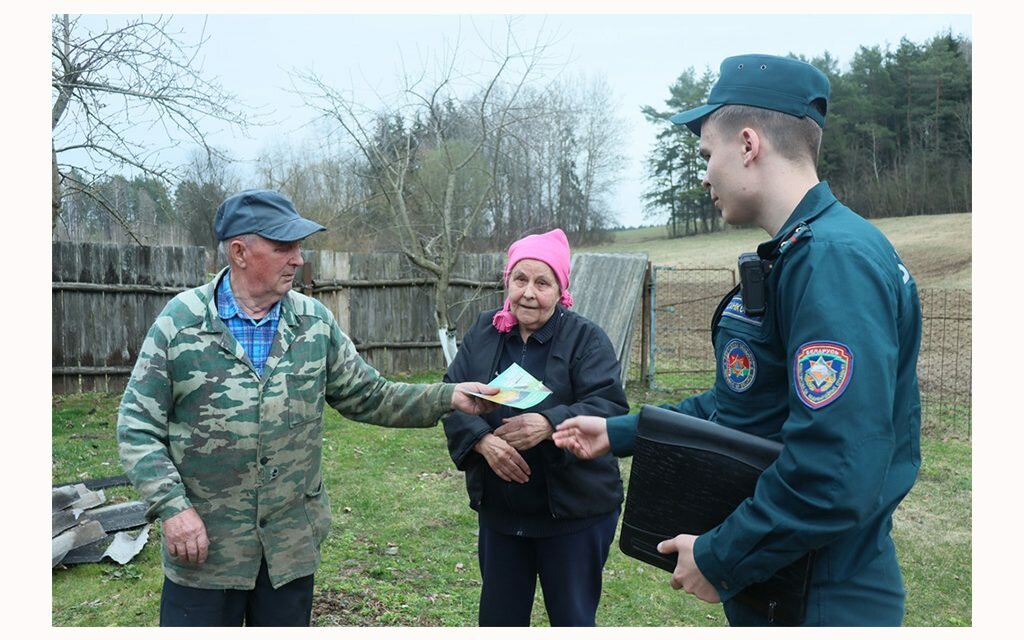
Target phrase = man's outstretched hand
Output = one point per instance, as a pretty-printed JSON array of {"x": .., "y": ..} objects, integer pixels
[
  {"x": 585, "y": 436},
  {"x": 466, "y": 403}
]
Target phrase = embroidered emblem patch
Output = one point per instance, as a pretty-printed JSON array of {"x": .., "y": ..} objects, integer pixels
[
  {"x": 738, "y": 365},
  {"x": 823, "y": 369}
]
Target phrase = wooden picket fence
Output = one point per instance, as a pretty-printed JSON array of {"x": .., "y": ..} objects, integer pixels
[{"x": 106, "y": 296}]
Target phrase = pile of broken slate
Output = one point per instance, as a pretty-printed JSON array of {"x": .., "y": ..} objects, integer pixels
[{"x": 86, "y": 529}]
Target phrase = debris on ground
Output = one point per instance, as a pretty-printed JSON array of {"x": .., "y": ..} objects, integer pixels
[{"x": 86, "y": 530}]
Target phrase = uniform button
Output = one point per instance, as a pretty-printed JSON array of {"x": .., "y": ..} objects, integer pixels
[
  {"x": 725, "y": 585},
  {"x": 263, "y": 522},
  {"x": 264, "y": 460}
]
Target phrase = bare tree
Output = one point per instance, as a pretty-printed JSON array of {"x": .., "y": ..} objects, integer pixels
[
  {"x": 432, "y": 156},
  {"x": 323, "y": 181},
  {"x": 205, "y": 184},
  {"x": 113, "y": 89},
  {"x": 560, "y": 164},
  {"x": 601, "y": 133}
]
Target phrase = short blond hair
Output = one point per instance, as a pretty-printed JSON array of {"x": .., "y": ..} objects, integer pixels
[{"x": 794, "y": 138}]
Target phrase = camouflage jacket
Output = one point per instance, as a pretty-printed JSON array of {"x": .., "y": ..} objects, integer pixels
[{"x": 198, "y": 428}]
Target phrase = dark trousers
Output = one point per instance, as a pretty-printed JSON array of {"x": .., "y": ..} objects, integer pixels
[
  {"x": 291, "y": 605},
  {"x": 569, "y": 567}
]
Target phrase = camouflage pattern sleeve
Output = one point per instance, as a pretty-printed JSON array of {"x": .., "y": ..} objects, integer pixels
[
  {"x": 359, "y": 392},
  {"x": 142, "y": 426}
]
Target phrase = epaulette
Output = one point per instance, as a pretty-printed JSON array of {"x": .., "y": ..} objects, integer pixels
[{"x": 802, "y": 230}]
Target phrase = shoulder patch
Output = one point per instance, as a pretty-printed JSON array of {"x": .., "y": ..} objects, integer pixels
[
  {"x": 823, "y": 370},
  {"x": 739, "y": 367}
]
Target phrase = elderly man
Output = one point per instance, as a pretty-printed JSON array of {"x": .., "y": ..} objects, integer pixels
[{"x": 221, "y": 424}]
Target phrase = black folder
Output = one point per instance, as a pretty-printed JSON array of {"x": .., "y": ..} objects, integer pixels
[{"x": 687, "y": 476}]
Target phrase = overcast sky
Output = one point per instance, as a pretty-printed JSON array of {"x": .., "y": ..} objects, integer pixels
[{"x": 638, "y": 55}]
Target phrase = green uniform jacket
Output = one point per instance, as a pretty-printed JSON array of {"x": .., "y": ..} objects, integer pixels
[
  {"x": 830, "y": 372},
  {"x": 198, "y": 428}
]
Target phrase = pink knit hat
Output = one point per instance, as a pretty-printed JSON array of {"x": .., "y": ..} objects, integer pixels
[{"x": 551, "y": 248}]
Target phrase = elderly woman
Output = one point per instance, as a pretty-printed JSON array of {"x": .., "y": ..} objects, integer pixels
[{"x": 542, "y": 511}]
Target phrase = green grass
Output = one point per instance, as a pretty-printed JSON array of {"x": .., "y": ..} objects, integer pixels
[
  {"x": 84, "y": 446},
  {"x": 84, "y": 426},
  {"x": 932, "y": 530},
  {"x": 402, "y": 550}
]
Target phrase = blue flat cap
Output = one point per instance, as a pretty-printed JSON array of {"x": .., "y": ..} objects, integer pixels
[
  {"x": 768, "y": 82},
  {"x": 266, "y": 213}
]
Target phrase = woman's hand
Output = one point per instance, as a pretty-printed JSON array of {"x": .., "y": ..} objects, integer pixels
[
  {"x": 504, "y": 460},
  {"x": 525, "y": 430}
]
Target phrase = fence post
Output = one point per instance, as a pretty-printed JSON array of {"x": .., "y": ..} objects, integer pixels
[
  {"x": 307, "y": 279},
  {"x": 645, "y": 328}
]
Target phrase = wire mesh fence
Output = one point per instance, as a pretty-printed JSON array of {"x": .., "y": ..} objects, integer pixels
[
  {"x": 944, "y": 364},
  {"x": 681, "y": 359}
]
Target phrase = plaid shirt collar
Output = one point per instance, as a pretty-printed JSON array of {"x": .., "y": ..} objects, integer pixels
[{"x": 227, "y": 306}]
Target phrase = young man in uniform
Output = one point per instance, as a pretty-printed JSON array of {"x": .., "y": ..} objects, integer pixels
[{"x": 828, "y": 368}]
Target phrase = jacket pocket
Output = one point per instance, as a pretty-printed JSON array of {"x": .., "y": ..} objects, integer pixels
[
  {"x": 305, "y": 398},
  {"x": 318, "y": 512}
]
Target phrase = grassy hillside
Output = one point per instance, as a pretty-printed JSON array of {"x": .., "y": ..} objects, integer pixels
[{"x": 936, "y": 249}]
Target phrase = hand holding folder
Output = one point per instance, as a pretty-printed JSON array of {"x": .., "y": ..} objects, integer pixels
[{"x": 687, "y": 476}]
